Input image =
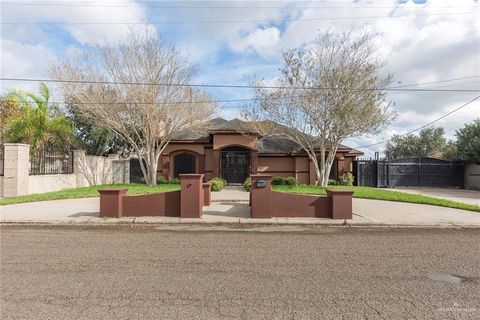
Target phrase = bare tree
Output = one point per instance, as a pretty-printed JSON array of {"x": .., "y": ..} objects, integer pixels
[
  {"x": 140, "y": 90},
  {"x": 326, "y": 93}
]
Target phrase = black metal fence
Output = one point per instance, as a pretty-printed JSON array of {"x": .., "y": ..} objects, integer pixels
[
  {"x": 51, "y": 162},
  {"x": 410, "y": 172}
]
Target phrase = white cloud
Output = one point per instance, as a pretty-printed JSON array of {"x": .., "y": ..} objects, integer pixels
[{"x": 260, "y": 41}]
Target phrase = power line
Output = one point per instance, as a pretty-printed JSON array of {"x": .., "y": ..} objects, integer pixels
[
  {"x": 246, "y": 99},
  {"x": 234, "y": 86},
  {"x": 425, "y": 125},
  {"x": 146, "y": 5},
  {"x": 237, "y": 21}
]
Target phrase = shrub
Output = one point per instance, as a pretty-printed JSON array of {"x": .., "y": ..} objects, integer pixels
[
  {"x": 162, "y": 180},
  {"x": 247, "y": 184},
  {"x": 175, "y": 181},
  {"x": 217, "y": 183},
  {"x": 291, "y": 181},
  {"x": 278, "y": 181},
  {"x": 346, "y": 179},
  {"x": 332, "y": 182}
]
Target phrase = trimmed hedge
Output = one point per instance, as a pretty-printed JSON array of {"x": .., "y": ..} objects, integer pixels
[{"x": 281, "y": 181}]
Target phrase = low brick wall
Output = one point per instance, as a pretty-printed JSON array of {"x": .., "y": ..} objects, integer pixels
[
  {"x": 186, "y": 203},
  {"x": 299, "y": 205},
  {"x": 166, "y": 204},
  {"x": 266, "y": 203}
]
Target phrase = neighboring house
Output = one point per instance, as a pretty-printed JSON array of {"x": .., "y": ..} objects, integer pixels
[{"x": 225, "y": 152}]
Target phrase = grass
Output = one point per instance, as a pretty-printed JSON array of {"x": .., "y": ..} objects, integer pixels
[
  {"x": 88, "y": 192},
  {"x": 380, "y": 194}
]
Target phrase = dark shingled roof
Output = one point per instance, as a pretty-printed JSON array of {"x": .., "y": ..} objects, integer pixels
[{"x": 275, "y": 144}]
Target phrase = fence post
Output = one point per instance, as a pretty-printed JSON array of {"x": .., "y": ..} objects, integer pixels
[
  {"x": 191, "y": 197},
  {"x": 79, "y": 167},
  {"x": 16, "y": 169},
  {"x": 261, "y": 196}
]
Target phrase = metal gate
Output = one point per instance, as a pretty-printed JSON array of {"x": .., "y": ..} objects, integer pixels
[
  {"x": 409, "y": 172},
  {"x": 235, "y": 164},
  {"x": 136, "y": 173}
]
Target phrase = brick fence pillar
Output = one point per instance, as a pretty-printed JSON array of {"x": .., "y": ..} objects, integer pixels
[
  {"x": 207, "y": 194},
  {"x": 261, "y": 196},
  {"x": 16, "y": 169},
  {"x": 340, "y": 204},
  {"x": 191, "y": 197},
  {"x": 111, "y": 202}
]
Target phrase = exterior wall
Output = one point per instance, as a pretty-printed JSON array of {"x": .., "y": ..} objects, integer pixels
[
  {"x": 224, "y": 140},
  {"x": 87, "y": 170},
  {"x": 1, "y": 185},
  {"x": 302, "y": 169},
  {"x": 51, "y": 182},
  {"x": 277, "y": 166},
  {"x": 173, "y": 147},
  {"x": 208, "y": 163},
  {"x": 472, "y": 179}
]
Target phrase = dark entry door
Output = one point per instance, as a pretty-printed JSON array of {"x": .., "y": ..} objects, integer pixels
[
  {"x": 235, "y": 162},
  {"x": 184, "y": 163}
]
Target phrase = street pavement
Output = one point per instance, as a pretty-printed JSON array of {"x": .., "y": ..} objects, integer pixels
[{"x": 119, "y": 272}]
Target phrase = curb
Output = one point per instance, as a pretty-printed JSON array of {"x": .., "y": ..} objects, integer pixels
[{"x": 237, "y": 225}]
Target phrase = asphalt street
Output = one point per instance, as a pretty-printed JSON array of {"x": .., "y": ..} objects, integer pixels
[{"x": 323, "y": 273}]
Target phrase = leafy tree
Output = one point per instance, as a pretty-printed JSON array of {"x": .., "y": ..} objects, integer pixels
[
  {"x": 341, "y": 96},
  {"x": 39, "y": 124},
  {"x": 10, "y": 107},
  {"x": 468, "y": 142},
  {"x": 94, "y": 138},
  {"x": 430, "y": 142},
  {"x": 147, "y": 116}
]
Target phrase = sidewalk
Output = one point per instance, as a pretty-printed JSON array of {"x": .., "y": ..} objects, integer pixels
[{"x": 366, "y": 213}]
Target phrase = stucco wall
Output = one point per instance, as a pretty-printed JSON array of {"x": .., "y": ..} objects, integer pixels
[
  {"x": 51, "y": 182},
  {"x": 197, "y": 148},
  {"x": 224, "y": 140},
  {"x": 1, "y": 186},
  {"x": 281, "y": 166},
  {"x": 473, "y": 176}
]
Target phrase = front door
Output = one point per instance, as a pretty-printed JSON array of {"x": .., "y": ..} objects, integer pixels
[{"x": 235, "y": 164}]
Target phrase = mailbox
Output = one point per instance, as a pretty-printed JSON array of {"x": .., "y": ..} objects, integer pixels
[{"x": 261, "y": 183}]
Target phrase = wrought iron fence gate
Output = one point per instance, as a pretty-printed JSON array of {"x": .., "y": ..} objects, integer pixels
[{"x": 409, "y": 172}]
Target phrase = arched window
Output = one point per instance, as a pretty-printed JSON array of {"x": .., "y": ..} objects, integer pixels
[{"x": 184, "y": 163}]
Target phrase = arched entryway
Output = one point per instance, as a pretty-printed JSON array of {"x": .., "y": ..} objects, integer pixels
[
  {"x": 184, "y": 163},
  {"x": 235, "y": 164}
]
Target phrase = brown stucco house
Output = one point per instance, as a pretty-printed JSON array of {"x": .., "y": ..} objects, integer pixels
[{"x": 223, "y": 151}]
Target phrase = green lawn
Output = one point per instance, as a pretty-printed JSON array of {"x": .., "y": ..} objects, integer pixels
[
  {"x": 89, "y": 192},
  {"x": 380, "y": 194}
]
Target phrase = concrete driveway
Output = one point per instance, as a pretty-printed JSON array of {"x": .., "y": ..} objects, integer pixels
[
  {"x": 459, "y": 195},
  {"x": 366, "y": 212}
]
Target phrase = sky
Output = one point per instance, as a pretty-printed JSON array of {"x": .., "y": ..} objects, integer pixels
[{"x": 234, "y": 42}]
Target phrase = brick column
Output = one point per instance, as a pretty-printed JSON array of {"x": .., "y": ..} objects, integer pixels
[
  {"x": 254, "y": 161},
  {"x": 80, "y": 167},
  {"x": 16, "y": 168},
  {"x": 111, "y": 202},
  {"x": 216, "y": 163},
  {"x": 207, "y": 194},
  {"x": 261, "y": 197},
  {"x": 191, "y": 198},
  {"x": 340, "y": 204}
]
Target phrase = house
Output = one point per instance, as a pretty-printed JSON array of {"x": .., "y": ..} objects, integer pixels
[{"x": 223, "y": 151}]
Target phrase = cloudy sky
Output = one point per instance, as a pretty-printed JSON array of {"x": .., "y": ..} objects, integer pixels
[{"x": 233, "y": 42}]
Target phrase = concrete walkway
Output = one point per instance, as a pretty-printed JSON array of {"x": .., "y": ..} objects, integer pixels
[
  {"x": 231, "y": 193},
  {"x": 366, "y": 212},
  {"x": 459, "y": 195}
]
